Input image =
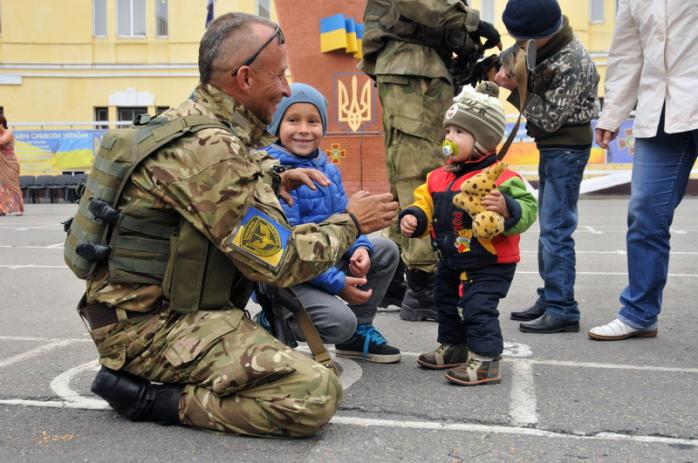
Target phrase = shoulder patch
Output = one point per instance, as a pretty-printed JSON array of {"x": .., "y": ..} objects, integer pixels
[{"x": 260, "y": 237}]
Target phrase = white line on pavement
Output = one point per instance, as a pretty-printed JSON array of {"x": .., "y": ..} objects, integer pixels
[
  {"x": 592, "y": 230},
  {"x": 61, "y": 386},
  {"x": 623, "y": 274},
  {"x": 40, "y": 339},
  {"x": 21, "y": 267},
  {"x": 565, "y": 363},
  {"x": 19, "y": 246},
  {"x": 34, "y": 352},
  {"x": 57, "y": 404},
  {"x": 500, "y": 429},
  {"x": 614, "y": 366},
  {"x": 523, "y": 404},
  {"x": 428, "y": 425}
]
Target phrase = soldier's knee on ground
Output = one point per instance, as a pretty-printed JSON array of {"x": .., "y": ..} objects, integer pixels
[
  {"x": 320, "y": 406},
  {"x": 298, "y": 404}
]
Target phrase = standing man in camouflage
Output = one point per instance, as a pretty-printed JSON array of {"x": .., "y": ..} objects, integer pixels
[
  {"x": 409, "y": 48},
  {"x": 198, "y": 221}
]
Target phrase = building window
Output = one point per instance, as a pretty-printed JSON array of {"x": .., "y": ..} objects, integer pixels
[
  {"x": 99, "y": 18},
  {"x": 263, "y": 8},
  {"x": 129, "y": 113},
  {"x": 101, "y": 115},
  {"x": 161, "y": 29},
  {"x": 596, "y": 13},
  {"x": 487, "y": 11},
  {"x": 130, "y": 16},
  {"x": 161, "y": 109}
]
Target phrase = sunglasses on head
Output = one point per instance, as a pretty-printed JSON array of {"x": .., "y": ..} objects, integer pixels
[{"x": 277, "y": 33}]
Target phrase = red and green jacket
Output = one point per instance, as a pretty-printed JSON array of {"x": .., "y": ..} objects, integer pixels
[{"x": 451, "y": 227}]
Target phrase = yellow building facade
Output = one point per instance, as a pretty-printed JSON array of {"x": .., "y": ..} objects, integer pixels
[
  {"x": 76, "y": 61},
  {"x": 85, "y": 64}
]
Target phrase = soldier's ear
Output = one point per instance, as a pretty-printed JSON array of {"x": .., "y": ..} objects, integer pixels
[{"x": 244, "y": 78}]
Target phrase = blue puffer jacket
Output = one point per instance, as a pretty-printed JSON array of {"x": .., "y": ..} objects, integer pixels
[{"x": 315, "y": 206}]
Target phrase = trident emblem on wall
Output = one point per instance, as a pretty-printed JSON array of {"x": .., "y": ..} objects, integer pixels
[{"x": 356, "y": 109}]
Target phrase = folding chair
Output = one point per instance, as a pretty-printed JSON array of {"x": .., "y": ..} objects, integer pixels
[{"x": 25, "y": 181}]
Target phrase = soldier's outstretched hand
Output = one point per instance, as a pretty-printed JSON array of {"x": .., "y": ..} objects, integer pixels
[
  {"x": 373, "y": 212},
  {"x": 293, "y": 178}
]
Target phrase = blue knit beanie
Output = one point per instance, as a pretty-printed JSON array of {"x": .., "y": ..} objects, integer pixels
[
  {"x": 300, "y": 93},
  {"x": 532, "y": 19}
]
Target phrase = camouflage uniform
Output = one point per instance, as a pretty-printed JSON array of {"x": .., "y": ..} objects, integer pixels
[
  {"x": 238, "y": 378},
  {"x": 415, "y": 89}
]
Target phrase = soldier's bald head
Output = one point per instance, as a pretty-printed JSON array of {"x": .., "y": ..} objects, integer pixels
[{"x": 228, "y": 41}]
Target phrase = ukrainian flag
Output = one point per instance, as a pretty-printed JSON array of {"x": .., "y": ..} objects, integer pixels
[
  {"x": 350, "y": 27},
  {"x": 359, "y": 53},
  {"x": 333, "y": 33}
]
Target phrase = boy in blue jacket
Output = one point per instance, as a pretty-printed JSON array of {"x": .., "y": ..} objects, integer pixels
[{"x": 361, "y": 277}]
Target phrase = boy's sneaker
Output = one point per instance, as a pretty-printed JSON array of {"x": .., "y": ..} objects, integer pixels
[
  {"x": 475, "y": 372},
  {"x": 445, "y": 356},
  {"x": 368, "y": 344}
]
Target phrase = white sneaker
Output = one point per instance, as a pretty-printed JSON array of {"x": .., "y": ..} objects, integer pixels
[{"x": 617, "y": 330}]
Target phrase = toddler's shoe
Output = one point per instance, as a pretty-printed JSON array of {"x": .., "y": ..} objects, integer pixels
[
  {"x": 445, "y": 356},
  {"x": 617, "y": 330},
  {"x": 368, "y": 344},
  {"x": 476, "y": 371}
]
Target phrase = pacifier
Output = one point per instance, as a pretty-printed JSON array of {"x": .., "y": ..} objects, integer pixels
[{"x": 449, "y": 148}]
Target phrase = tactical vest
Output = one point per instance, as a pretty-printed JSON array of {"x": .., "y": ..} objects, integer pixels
[
  {"x": 383, "y": 22},
  {"x": 147, "y": 245}
]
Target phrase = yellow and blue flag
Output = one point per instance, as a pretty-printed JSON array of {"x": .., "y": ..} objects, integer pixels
[
  {"x": 338, "y": 32},
  {"x": 333, "y": 33}
]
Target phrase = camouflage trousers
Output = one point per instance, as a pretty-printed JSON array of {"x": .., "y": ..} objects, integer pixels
[
  {"x": 413, "y": 112},
  {"x": 237, "y": 377}
]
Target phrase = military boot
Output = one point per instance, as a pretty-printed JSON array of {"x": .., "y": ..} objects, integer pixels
[
  {"x": 396, "y": 289},
  {"x": 418, "y": 303},
  {"x": 138, "y": 399}
]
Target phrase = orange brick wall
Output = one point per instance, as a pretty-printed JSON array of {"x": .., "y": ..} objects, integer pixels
[{"x": 363, "y": 164}]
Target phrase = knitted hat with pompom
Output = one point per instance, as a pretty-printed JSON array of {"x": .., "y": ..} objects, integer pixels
[{"x": 478, "y": 111}]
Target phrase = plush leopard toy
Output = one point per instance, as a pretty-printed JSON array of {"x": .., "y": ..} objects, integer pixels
[{"x": 486, "y": 224}]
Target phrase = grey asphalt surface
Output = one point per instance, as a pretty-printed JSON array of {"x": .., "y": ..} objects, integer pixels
[{"x": 562, "y": 396}]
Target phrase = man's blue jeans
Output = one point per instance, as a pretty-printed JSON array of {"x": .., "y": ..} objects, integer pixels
[
  {"x": 661, "y": 169},
  {"x": 560, "y": 172}
]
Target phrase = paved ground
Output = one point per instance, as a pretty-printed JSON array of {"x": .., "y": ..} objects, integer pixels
[{"x": 562, "y": 398}]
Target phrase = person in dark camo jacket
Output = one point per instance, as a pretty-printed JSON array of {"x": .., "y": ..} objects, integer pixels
[{"x": 562, "y": 101}]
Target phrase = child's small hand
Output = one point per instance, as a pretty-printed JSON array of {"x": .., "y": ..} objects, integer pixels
[
  {"x": 352, "y": 293},
  {"x": 360, "y": 262},
  {"x": 408, "y": 225},
  {"x": 494, "y": 201}
]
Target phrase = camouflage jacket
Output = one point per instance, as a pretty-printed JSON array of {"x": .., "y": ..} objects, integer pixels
[
  {"x": 562, "y": 92},
  {"x": 394, "y": 41},
  {"x": 211, "y": 179}
]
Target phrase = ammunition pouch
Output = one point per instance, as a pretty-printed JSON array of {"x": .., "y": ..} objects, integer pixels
[{"x": 145, "y": 245}]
